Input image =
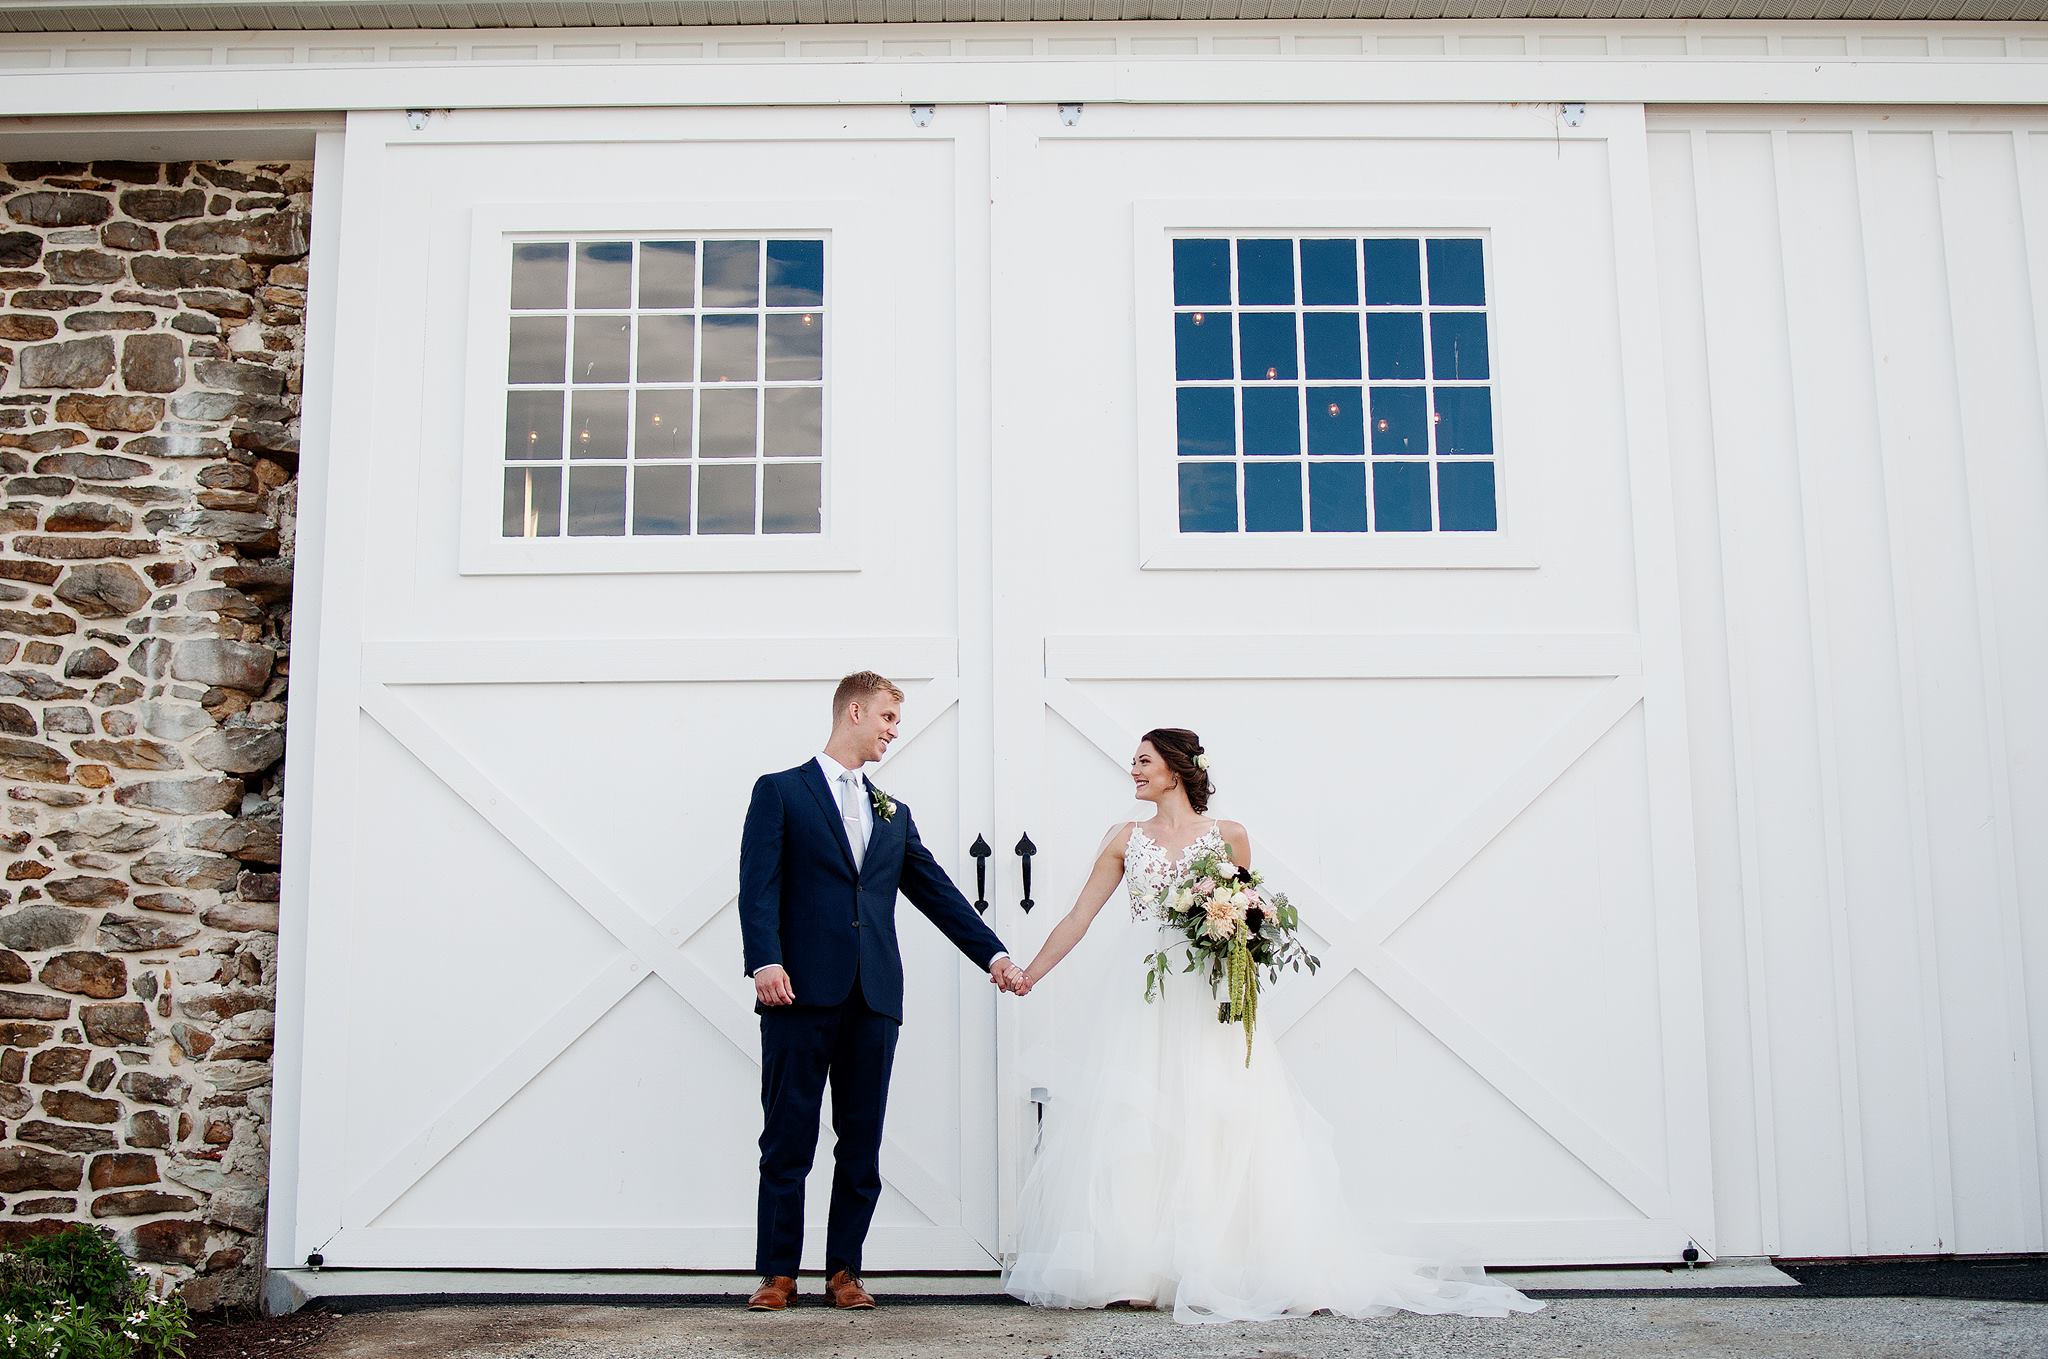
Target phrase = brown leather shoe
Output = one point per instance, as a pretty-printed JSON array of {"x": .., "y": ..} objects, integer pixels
[
  {"x": 773, "y": 1295},
  {"x": 846, "y": 1292}
]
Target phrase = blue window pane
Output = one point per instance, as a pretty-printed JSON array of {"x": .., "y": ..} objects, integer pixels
[
  {"x": 1272, "y": 422},
  {"x": 796, "y": 273},
  {"x": 1336, "y": 422},
  {"x": 1400, "y": 420},
  {"x": 1464, "y": 420},
  {"x": 732, "y": 275},
  {"x": 1208, "y": 497},
  {"x": 1272, "y": 497},
  {"x": 1265, "y": 344},
  {"x": 1393, "y": 344},
  {"x": 1201, "y": 273},
  {"x": 1400, "y": 497},
  {"x": 1457, "y": 273},
  {"x": 1457, "y": 345},
  {"x": 1465, "y": 497},
  {"x": 1393, "y": 273},
  {"x": 1329, "y": 273},
  {"x": 1336, "y": 497},
  {"x": 1201, "y": 346},
  {"x": 1265, "y": 272},
  {"x": 1331, "y": 341},
  {"x": 1207, "y": 422}
]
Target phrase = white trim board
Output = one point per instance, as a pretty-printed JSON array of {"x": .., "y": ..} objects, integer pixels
[{"x": 1705, "y": 62}]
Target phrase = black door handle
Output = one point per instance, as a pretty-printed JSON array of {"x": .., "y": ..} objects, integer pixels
[
  {"x": 980, "y": 851},
  {"x": 1025, "y": 849}
]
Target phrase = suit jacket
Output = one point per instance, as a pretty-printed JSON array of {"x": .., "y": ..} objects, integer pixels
[{"x": 802, "y": 904}]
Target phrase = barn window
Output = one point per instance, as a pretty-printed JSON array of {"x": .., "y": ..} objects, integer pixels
[
  {"x": 1333, "y": 384},
  {"x": 665, "y": 386}
]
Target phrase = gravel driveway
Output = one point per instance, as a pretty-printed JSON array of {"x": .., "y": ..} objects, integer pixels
[{"x": 1570, "y": 1328}]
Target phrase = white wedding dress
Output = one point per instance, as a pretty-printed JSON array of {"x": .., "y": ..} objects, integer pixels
[{"x": 1186, "y": 1178}]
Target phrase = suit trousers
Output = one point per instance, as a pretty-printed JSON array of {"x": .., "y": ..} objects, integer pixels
[{"x": 804, "y": 1049}]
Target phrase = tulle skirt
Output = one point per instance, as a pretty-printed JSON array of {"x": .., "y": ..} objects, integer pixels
[{"x": 1184, "y": 1178}]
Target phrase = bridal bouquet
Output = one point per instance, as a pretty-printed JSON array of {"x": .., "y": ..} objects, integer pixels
[{"x": 1235, "y": 929}]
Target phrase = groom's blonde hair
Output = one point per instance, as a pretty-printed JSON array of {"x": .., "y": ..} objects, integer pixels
[{"x": 859, "y": 685}]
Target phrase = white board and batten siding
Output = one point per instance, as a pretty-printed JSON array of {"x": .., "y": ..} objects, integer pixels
[
  {"x": 1696, "y": 893},
  {"x": 1854, "y": 326}
]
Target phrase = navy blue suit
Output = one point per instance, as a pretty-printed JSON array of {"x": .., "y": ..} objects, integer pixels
[{"x": 803, "y": 906}]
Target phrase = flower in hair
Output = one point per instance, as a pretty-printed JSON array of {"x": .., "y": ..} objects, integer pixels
[{"x": 1202, "y": 762}]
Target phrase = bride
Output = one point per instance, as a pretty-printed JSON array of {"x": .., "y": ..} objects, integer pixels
[{"x": 1186, "y": 1177}]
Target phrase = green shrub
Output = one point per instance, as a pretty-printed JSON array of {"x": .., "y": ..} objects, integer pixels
[{"x": 73, "y": 1295}]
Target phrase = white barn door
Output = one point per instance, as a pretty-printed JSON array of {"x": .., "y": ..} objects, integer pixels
[
  {"x": 529, "y": 1044},
  {"x": 1462, "y": 752}
]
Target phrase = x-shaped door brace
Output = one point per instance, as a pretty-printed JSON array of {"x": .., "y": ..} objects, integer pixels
[
  {"x": 655, "y": 947},
  {"x": 1358, "y": 943}
]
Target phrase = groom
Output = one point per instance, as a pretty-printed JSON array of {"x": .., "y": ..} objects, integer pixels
[{"x": 822, "y": 858}]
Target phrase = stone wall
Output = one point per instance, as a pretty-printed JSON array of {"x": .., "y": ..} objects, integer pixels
[{"x": 151, "y": 350}]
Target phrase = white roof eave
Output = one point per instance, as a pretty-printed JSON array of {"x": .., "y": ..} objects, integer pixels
[{"x": 72, "y": 16}]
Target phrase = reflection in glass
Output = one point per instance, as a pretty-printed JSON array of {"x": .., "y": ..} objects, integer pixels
[
  {"x": 1201, "y": 345},
  {"x": 796, "y": 273},
  {"x": 732, "y": 273},
  {"x": 668, "y": 349},
  {"x": 597, "y": 502},
  {"x": 1457, "y": 273},
  {"x": 796, "y": 347},
  {"x": 603, "y": 346},
  {"x": 1400, "y": 497},
  {"x": 1393, "y": 272},
  {"x": 1206, "y": 418},
  {"x": 1393, "y": 344},
  {"x": 1201, "y": 273},
  {"x": 538, "y": 352},
  {"x": 793, "y": 422},
  {"x": 668, "y": 274},
  {"x": 1457, "y": 345},
  {"x": 597, "y": 425},
  {"x": 1272, "y": 422},
  {"x": 1265, "y": 343},
  {"x": 661, "y": 501},
  {"x": 533, "y": 502},
  {"x": 725, "y": 499},
  {"x": 729, "y": 347},
  {"x": 533, "y": 425},
  {"x": 661, "y": 424},
  {"x": 727, "y": 422},
  {"x": 1329, "y": 273},
  {"x": 1465, "y": 497},
  {"x": 604, "y": 274},
  {"x": 1265, "y": 273},
  {"x": 791, "y": 493},
  {"x": 1336, "y": 497},
  {"x": 1464, "y": 420},
  {"x": 1331, "y": 341},
  {"x": 1400, "y": 420},
  {"x": 1336, "y": 422},
  {"x": 540, "y": 275},
  {"x": 1272, "y": 497},
  {"x": 1208, "y": 497}
]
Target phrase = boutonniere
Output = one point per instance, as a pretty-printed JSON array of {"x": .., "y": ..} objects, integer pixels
[{"x": 885, "y": 806}]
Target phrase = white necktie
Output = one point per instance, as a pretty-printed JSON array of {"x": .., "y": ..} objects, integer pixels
[{"x": 849, "y": 812}]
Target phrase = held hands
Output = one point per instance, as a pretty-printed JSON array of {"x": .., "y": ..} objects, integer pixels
[{"x": 1007, "y": 976}]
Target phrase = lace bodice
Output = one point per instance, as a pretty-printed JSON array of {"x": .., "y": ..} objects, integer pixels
[{"x": 1149, "y": 871}]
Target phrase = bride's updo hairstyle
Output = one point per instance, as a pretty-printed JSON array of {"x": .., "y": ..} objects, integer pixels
[{"x": 1178, "y": 747}]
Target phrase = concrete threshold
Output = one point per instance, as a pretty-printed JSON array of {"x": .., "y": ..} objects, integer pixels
[{"x": 289, "y": 1289}]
